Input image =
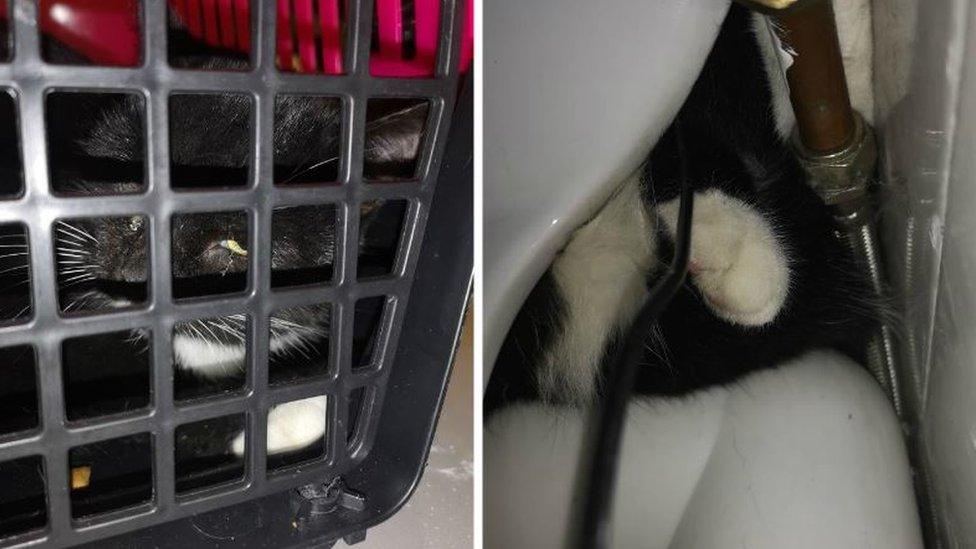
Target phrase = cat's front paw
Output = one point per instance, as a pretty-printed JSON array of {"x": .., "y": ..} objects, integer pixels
[
  {"x": 291, "y": 426},
  {"x": 736, "y": 260}
]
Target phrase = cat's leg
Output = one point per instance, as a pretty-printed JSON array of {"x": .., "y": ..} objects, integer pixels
[
  {"x": 600, "y": 276},
  {"x": 738, "y": 263},
  {"x": 291, "y": 426}
]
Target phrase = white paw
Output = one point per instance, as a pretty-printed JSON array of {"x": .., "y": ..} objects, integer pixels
[
  {"x": 736, "y": 261},
  {"x": 291, "y": 426}
]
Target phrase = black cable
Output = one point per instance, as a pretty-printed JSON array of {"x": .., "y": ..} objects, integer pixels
[{"x": 610, "y": 413}]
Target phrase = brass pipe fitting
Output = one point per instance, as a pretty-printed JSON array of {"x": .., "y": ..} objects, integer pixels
[{"x": 841, "y": 177}]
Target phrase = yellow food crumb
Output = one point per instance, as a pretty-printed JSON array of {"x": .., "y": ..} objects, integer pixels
[
  {"x": 80, "y": 477},
  {"x": 234, "y": 247}
]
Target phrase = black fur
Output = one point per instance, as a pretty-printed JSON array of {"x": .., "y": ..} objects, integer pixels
[{"x": 731, "y": 145}]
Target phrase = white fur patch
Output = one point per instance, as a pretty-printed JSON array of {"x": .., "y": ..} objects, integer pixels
[
  {"x": 601, "y": 277},
  {"x": 291, "y": 426},
  {"x": 207, "y": 358},
  {"x": 736, "y": 260},
  {"x": 215, "y": 359}
]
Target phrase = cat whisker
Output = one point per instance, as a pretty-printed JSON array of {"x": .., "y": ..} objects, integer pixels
[
  {"x": 20, "y": 246},
  {"x": 230, "y": 331},
  {"x": 68, "y": 235},
  {"x": 390, "y": 118},
  {"x": 307, "y": 169},
  {"x": 68, "y": 252},
  {"x": 205, "y": 324},
  {"x": 68, "y": 239},
  {"x": 80, "y": 300},
  {"x": 16, "y": 254},
  {"x": 77, "y": 230},
  {"x": 75, "y": 270},
  {"x": 77, "y": 279},
  {"x": 71, "y": 246},
  {"x": 11, "y": 269}
]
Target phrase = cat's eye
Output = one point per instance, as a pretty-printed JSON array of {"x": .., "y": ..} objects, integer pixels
[
  {"x": 106, "y": 374},
  {"x": 289, "y": 447},
  {"x": 15, "y": 274},
  {"x": 110, "y": 474},
  {"x": 381, "y": 224},
  {"x": 200, "y": 463},
  {"x": 210, "y": 253},
  {"x": 100, "y": 266},
  {"x": 19, "y": 410},
  {"x": 395, "y": 135},
  {"x": 23, "y": 497},
  {"x": 307, "y": 139},
  {"x": 300, "y": 340},
  {"x": 116, "y": 41},
  {"x": 11, "y": 167},
  {"x": 371, "y": 325},
  {"x": 210, "y": 140},
  {"x": 212, "y": 36},
  {"x": 210, "y": 356},
  {"x": 304, "y": 245},
  {"x": 102, "y": 153}
]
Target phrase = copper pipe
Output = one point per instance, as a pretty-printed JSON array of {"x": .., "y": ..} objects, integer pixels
[
  {"x": 818, "y": 89},
  {"x": 837, "y": 150}
]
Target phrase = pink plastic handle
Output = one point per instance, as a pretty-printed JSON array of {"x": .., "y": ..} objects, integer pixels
[{"x": 80, "y": 24}]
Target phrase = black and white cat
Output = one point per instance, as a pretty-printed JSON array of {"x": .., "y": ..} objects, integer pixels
[
  {"x": 103, "y": 263},
  {"x": 769, "y": 278}
]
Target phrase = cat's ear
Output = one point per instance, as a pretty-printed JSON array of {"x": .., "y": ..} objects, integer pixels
[{"x": 393, "y": 142}]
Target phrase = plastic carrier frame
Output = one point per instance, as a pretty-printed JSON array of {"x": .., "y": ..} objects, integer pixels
[{"x": 355, "y": 486}]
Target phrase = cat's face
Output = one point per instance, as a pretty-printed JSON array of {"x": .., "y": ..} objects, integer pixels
[{"x": 105, "y": 262}]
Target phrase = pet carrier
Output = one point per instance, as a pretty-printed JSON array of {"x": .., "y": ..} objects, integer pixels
[{"x": 132, "y": 466}]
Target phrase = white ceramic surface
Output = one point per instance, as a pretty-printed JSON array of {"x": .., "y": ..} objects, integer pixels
[
  {"x": 809, "y": 455},
  {"x": 575, "y": 94}
]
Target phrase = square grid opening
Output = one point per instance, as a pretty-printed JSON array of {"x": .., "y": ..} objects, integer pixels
[{"x": 94, "y": 441}]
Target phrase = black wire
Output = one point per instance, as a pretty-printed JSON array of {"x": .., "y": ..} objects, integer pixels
[{"x": 610, "y": 413}]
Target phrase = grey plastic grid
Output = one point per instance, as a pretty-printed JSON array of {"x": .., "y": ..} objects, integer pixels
[{"x": 30, "y": 78}]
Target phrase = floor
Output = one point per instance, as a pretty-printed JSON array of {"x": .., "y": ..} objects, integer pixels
[{"x": 440, "y": 514}]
